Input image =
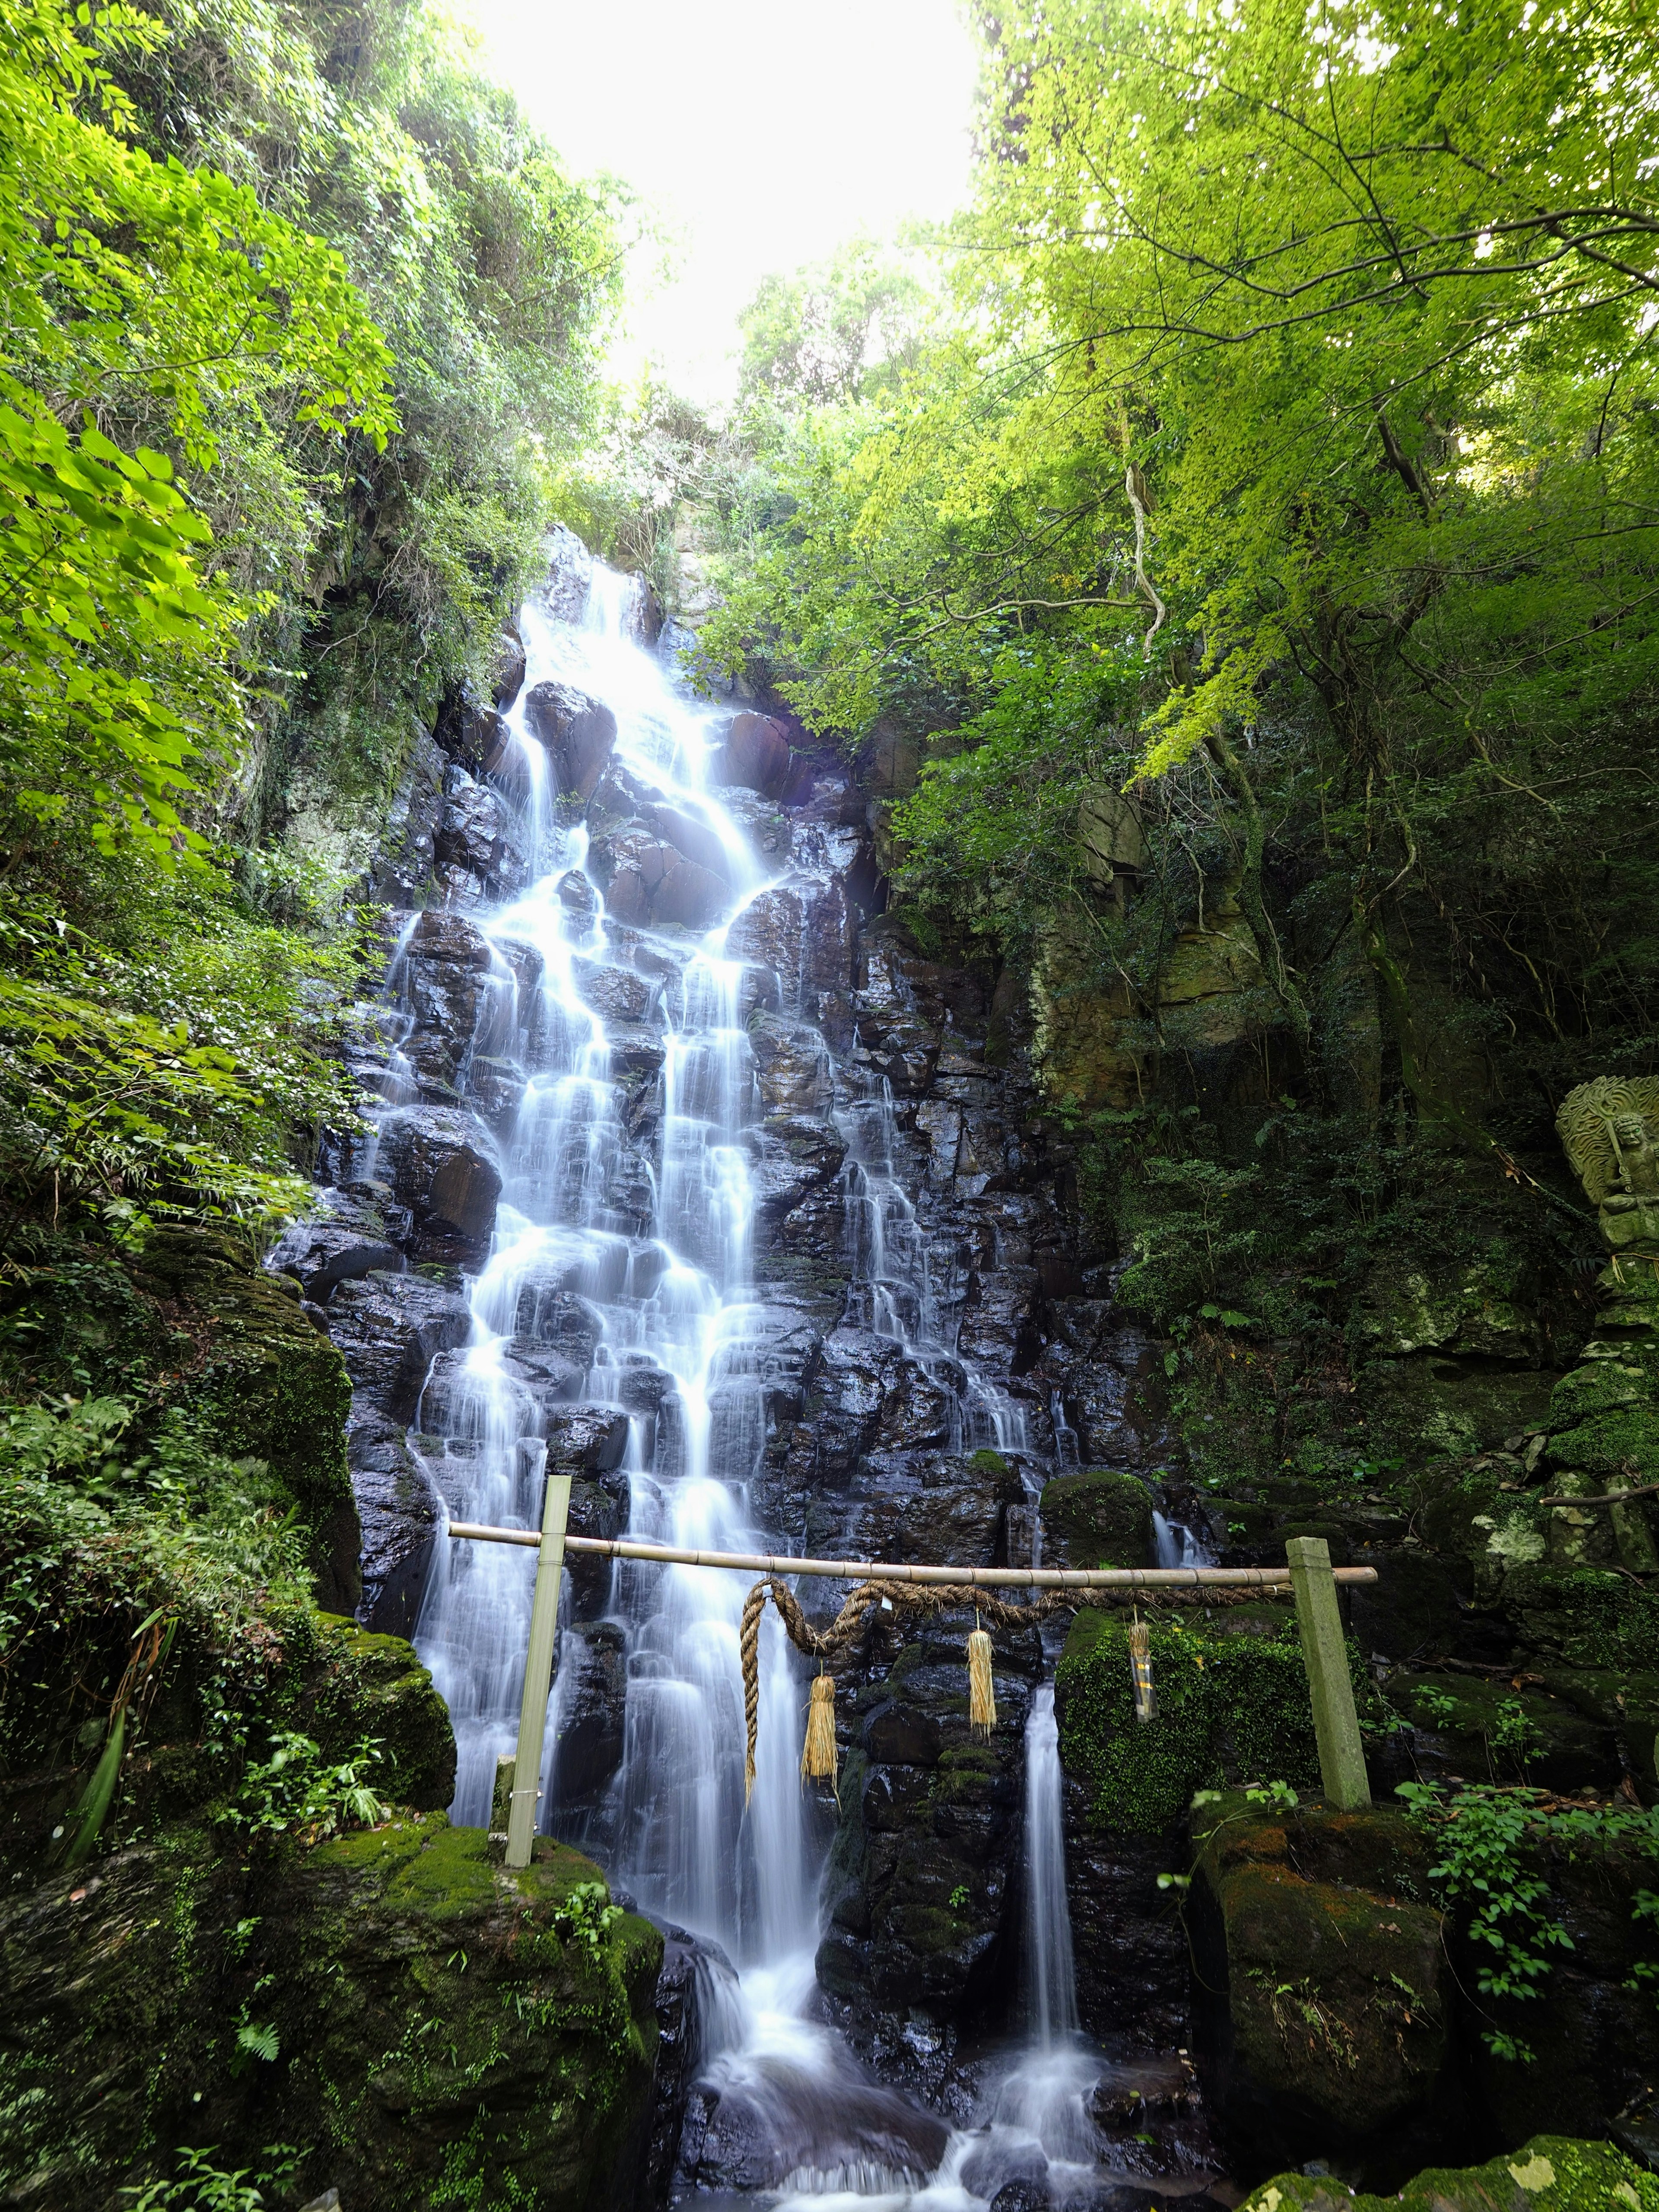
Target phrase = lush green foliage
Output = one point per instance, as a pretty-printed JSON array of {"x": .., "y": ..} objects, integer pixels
[
  {"x": 1494, "y": 1848},
  {"x": 316, "y": 307}
]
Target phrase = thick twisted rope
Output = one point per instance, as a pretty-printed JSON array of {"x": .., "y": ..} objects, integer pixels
[{"x": 914, "y": 1598}]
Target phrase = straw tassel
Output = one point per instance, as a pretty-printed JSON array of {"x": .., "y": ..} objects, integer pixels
[
  {"x": 981, "y": 1694},
  {"x": 1141, "y": 1670},
  {"x": 817, "y": 1757}
]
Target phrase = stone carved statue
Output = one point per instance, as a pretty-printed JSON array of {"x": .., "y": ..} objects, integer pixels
[{"x": 1610, "y": 1130}]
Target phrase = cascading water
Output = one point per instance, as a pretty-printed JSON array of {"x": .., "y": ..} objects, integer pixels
[
  {"x": 1179, "y": 1546},
  {"x": 616, "y": 1319},
  {"x": 659, "y": 1264}
]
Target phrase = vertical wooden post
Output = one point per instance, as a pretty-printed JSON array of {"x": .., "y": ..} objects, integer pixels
[
  {"x": 1336, "y": 1725},
  {"x": 538, "y": 1673}
]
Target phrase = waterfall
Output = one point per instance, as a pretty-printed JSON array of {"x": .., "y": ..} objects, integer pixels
[
  {"x": 1178, "y": 1545},
  {"x": 645, "y": 1267},
  {"x": 1048, "y": 1917},
  {"x": 616, "y": 1330}
]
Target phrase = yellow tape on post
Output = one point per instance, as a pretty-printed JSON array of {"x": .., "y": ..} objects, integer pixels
[{"x": 538, "y": 1673}]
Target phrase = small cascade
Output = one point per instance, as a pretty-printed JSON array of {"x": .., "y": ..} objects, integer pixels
[
  {"x": 1052, "y": 1974},
  {"x": 1043, "y": 2101},
  {"x": 1179, "y": 1546}
]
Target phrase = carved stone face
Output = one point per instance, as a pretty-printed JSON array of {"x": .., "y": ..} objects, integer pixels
[{"x": 1631, "y": 1131}]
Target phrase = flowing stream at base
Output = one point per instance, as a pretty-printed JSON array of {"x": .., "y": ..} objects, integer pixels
[{"x": 621, "y": 1282}]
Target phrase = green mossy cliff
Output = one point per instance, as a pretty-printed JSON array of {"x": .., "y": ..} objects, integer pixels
[
  {"x": 443, "y": 2032},
  {"x": 384, "y": 2011}
]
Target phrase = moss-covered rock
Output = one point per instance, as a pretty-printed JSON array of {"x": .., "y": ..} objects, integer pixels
[
  {"x": 1324, "y": 2021},
  {"x": 1097, "y": 1519},
  {"x": 1231, "y": 1707},
  {"x": 1485, "y": 1730},
  {"x": 444, "y": 2032},
  {"x": 265, "y": 1384},
  {"x": 1548, "y": 2173},
  {"x": 365, "y": 1686}
]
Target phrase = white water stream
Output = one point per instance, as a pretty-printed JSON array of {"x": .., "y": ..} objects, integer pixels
[{"x": 662, "y": 1257}]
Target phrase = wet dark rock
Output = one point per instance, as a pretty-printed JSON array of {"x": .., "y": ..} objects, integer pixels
[
  {"x": 756, "y": 754},
  {"x": 446, "y": 976},
  {"x": 580, "y": 900},
  {"x": 693, "y": 839},
  {"x": 587, "y": 1443},
  {"x": 402, "y": 869},
  {"x": 1025, "y": 2195},
  {"x": 550, "y": 1315},
  {"x": 482, "y": 836},
  {"x": 750, "y": 2124},
  {"x": 577, "y": 733},
  {"x": 803, "y": 929},
  {"x": 998, "y": 1328},
  {"x": 790, "y": 1155},
  {"x": 587, "y": 1440},
  {"x": 794, "y": 1071},
  {"x": 569, "y": 575},
  {"x": 591, "y": 1695},
  {"x": 389, "y": 1329},
  {"x": 616, "y": 994},
  {"x": 550, "y": 1375},
  {"x": 495, "y": 1086},
  {"x": 508, "y": 666},
  {"x": 696, "y": 1975},
  {"x": 1127, "y": 1936},
  {"x": 440, "y": 1163},
  {"x": 1108, "y": 1403},
  {"x": 398, "y": 1506},
  {"x": 924, "y": 1505},
  {"x": 347, "y": 1239},
  {"x": 642, "y": 1387},
  {"x": 457, "y": 1400},
  {"x": 921, "y": 1886},
  {"x": 650, "y": 884}
]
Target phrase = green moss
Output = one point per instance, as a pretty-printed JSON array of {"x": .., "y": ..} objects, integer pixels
[
  {"x": 1229, "y": 1707},
  {"x": 1097, "y": 1518},
  {"x": 1550, "y": 2174},
  {"x": 1611, "y": 1444},
  {"x": 1592, "y": 1619},
  {"x": 373, "y": 1686}
]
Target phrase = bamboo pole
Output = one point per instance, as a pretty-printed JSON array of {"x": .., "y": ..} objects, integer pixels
[
  {"x": 870, "y": 1571},
  {"x": 537, "y": 1671}
]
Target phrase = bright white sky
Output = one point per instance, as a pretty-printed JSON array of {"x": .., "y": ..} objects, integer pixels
[{"x": 764, "y": 132}]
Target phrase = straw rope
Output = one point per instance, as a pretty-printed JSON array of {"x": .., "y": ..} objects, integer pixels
[{"x": 918, "y": 1598}]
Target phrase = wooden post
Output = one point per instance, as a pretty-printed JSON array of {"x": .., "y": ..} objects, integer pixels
[
  {"x": 1336, "y": 1725},
  {"x": 538, "y": 1673}
]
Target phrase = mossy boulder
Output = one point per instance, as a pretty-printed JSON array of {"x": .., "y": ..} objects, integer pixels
[
  {"x": 366, "y": 1686},
  {"x": 444, "y": 2032},
  {"x": 1231, "y": 1707},
  {"x": 1548, "y": 2173},
  {"x": 1485, "y": 1730},
  {"x": 1095, "y": 1519},
  {"x": 1587, "y": 1618},
  {"x": 266, "y": 1384},
  {"x": 1324, "y": 2020}
]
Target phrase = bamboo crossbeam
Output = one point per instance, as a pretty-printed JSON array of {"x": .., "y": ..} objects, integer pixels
[{"x": 862, "y": 1571}]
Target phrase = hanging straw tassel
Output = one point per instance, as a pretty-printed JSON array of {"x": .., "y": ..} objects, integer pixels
[
  {"x": 1141, "y": 1670},
  {"x": 981, "y": 1695},
  {"x": 818, "y": 1756}
]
